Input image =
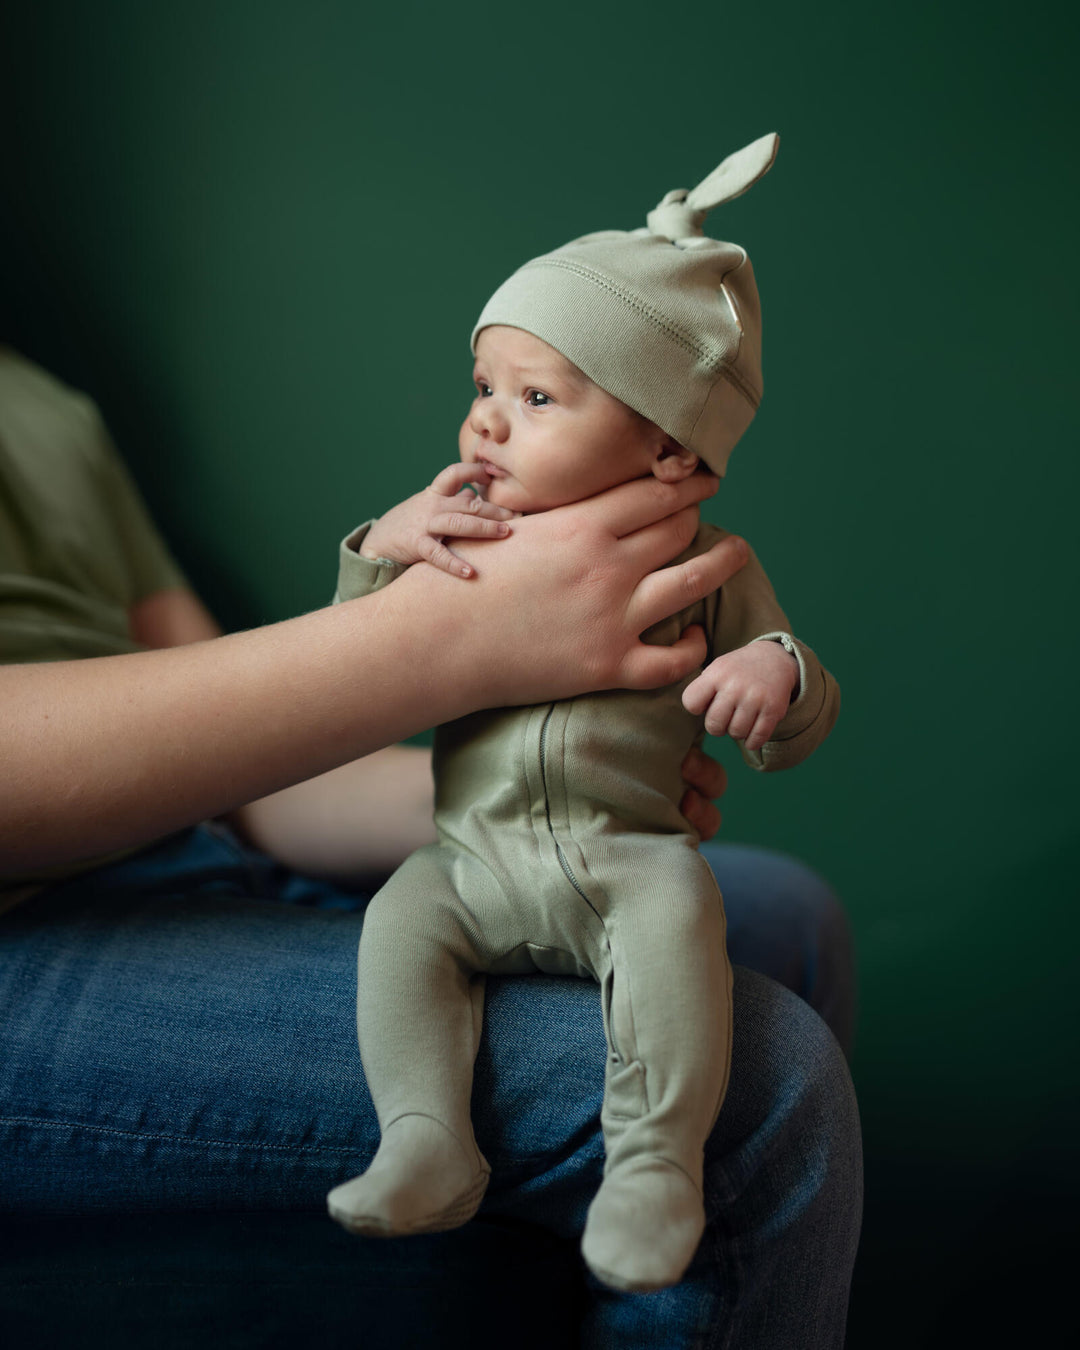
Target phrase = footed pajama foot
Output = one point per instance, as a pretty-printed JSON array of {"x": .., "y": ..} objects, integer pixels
[
  {"x": 644, "y": 1226},
  {"x": 423, "y": 1179}
]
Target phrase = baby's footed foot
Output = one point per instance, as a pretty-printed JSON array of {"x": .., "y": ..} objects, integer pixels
[
  {"x": 423, "y": 1179},
  {"x": 644, "y": 1226}
]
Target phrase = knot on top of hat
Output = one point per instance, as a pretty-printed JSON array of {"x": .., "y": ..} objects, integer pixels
[
  {"x": 680, "y": 214},
  {"x": 674, "y": 218}
]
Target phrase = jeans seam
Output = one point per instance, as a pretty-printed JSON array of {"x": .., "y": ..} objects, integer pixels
[
  {"x": 344, "y": 1280},
  {"x": 348, "y": 1149},
  {"x": 250, "y": 861}
]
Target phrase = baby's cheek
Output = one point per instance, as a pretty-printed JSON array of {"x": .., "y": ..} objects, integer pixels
[{"x": 466, "y": 439}]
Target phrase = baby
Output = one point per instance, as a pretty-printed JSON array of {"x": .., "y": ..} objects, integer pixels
[{"x": 561, "y": 844}]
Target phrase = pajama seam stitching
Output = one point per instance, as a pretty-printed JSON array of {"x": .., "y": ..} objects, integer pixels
[{"x": 563, "y": 861}]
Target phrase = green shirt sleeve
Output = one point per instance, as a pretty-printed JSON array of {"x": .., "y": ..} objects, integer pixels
[{"x": 77, "y": 545}]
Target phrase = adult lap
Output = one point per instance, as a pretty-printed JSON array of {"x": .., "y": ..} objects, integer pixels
[{"x": 174, "y": 1036}]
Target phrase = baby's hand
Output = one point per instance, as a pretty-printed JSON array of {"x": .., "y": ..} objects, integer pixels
[
  {"x": 414, "y": 531},
  {"x": 747, "y": 692}
]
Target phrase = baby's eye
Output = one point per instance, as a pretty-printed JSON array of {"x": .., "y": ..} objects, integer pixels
[
  {"x": 535, "y": 399},
  {"x": 483, "y": 389}
]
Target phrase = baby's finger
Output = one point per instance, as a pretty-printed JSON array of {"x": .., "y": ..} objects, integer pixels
[
  {"x": 477, "y": 506},
  {"x": 438, "y": 555},
  {"x": 454, "y": 477},
  {"x": 761, "y": 731},
  {"x": 465, "y": 525},
  {"x": 719, "y": 715},
  {"x": 743, "y": 719}
]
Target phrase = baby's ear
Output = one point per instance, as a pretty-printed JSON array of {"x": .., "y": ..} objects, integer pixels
[{"x": 672, "y": 463}]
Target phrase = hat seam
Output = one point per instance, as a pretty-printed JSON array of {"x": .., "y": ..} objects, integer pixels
[
  {"x": 740, "y": 389},
  {"x": 717, "y": 362},
  {"x": 746, "y": 390}
]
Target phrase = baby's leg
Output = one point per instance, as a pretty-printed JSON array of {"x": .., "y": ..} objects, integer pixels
[
  {"x": 667, "y": 1002},
  {"x": 419, "y": 1011}
]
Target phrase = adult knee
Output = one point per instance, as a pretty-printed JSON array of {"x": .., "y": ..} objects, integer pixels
[
  {"x": 785, "y": 921},
  {"x": 786, "y": 1153}
]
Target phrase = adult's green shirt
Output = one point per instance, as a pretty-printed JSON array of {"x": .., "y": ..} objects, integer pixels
[{"x": 77, "y": 545}]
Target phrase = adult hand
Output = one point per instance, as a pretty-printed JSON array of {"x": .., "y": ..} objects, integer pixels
[
  {"x": 562, "y": 608},
  {"x": 706, "y": 780}
]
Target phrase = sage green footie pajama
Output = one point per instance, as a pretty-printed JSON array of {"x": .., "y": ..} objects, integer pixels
[{"x": 562, "y": 849}]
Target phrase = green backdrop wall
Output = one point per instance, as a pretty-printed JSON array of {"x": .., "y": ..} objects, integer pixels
[{"x": 258, "y": 233}]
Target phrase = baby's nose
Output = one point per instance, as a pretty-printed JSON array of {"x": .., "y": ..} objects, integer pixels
[{"x": 487, "y": 420}]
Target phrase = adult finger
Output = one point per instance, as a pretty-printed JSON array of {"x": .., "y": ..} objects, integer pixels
[
  {"x": 701, "y": 814},
  {"x": 672, "y": 589},
  {"x": 644, "y": 501},
  {"x": 647, "y": 667},
  {"x": 702, "y": 773},
  {"x": 658, "y": 544}
]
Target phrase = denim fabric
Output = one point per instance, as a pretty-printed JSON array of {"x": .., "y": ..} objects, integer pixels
[{"x": 178, "y": 1036}]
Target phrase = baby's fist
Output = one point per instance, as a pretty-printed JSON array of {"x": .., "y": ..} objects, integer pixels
[{"x": 744, "y": 694}]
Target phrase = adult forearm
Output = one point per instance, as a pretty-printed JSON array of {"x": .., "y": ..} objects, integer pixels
[
  {"x": 109, "y": 753},
  {"x": 355, "y": 824},
  {"x": 113, "y": 752}
]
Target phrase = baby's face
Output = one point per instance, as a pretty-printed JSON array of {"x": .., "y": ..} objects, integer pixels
[{"x": 543, "y": 432}]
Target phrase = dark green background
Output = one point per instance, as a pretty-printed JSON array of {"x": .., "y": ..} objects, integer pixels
[{"x": 259, "y": 234}]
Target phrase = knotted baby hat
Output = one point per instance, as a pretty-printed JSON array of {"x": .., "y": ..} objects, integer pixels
[{"x": 663, "y": 318}]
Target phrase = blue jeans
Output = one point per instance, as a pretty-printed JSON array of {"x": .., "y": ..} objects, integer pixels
[{"x": 178, "y": 1040}]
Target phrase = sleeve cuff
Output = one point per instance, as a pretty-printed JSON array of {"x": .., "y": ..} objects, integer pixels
[
  {"x": 358, "y": 575},
  {"x": 809, "y": 719}
]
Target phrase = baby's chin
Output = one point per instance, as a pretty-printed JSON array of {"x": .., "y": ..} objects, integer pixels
[{"x": 502, "y": 492}]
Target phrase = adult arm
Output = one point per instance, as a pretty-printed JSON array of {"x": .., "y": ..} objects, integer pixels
[
  {"x": 112, "y": 752},
  {"x": 359, "y": 822},
  {"x": 355, "y": 823},
  {"x": 171, "y": 618}
]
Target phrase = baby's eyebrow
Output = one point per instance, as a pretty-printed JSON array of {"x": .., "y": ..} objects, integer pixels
[{"x": 543, "y": 374}]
